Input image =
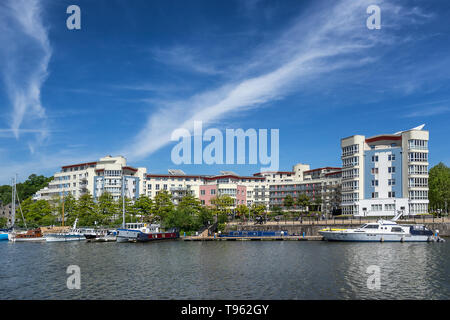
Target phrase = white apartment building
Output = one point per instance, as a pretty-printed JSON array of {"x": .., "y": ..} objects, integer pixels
[
  {"x": 109, "y": 174},
  {"x": 384, "y": 174}
]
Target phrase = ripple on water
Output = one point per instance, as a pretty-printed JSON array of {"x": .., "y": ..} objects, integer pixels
[{"x": 225, "y": 270}]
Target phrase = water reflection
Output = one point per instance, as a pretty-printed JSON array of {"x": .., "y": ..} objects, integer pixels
[{"x": 225, "y": 270}]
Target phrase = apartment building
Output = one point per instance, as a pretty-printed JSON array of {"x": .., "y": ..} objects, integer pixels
[
  {"x": 321, "y": 184},
  {"x": 380, "y": 175},
  {"x": 244, "y": 190},
  {"x": 384, "y": 174},
  {"x": 111, "y": 174}
]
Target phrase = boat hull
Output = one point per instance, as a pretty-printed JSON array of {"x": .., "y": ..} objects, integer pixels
[
  {"x": 372, "y": 237},
  {"x": 126, "y": 235},
  {"x": 103, "y": 239},
  {"x": 39, "y": 239},
  {"x": 146, "y": 237},
  {"x": 64, "y": 238},
  {"x": 4, "y": 237}
]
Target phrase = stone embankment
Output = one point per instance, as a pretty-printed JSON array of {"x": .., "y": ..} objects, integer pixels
[{"x": 311, "y": 228}]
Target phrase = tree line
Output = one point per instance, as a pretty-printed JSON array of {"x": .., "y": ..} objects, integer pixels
[{"x": 188, "y": 215}]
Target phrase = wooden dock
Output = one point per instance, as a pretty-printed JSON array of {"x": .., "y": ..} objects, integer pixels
[{"x": 283, "y": 238}]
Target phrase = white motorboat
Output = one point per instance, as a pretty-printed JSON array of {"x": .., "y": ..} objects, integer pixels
[
  {"x": 380, "y": 231},
  {"x": 101, "y": 235},
  {"x": 74, "y": 234}
]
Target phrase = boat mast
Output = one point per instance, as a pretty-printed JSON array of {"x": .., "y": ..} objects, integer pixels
[
  {"x": 63, "y": 207},
  {"x": 123, "y": 201},
  {"x": 13, "y": 202},
  {"x": 18, "y": 201}
]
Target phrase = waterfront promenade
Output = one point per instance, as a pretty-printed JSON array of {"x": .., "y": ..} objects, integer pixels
[
  {"x": 336, "y": 221},
  {"x": 310, "y": 226}
]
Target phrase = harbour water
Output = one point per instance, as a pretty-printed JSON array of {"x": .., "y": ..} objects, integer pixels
[{"x": 225, "y": 270}]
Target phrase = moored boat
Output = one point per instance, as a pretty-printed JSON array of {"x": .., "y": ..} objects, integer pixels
[
  {"x": 4, "y": 235},
  {"x": 101, "y": 236},
  {"x": 30, "y": 235},
  {"x": 131, "y": 231},
  {"x": 381, "y": 231},
  {"x": 74, "y": 234},
  {"x": 154, "y": 235}
]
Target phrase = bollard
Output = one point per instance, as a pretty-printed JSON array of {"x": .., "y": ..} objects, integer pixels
[{"x": 303, "y": 234}]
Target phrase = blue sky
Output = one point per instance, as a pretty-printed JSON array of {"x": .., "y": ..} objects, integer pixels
[{"x": 137, "y": 70}]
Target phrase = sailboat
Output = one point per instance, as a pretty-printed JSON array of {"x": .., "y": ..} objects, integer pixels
[
  {"x": 126, "y": 233},
  {"x": 73, "y": 234},
  {"x": 141, "y": 232},
  {"x": 30, "y": 235}
]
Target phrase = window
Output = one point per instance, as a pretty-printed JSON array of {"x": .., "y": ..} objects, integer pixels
[
  {"x": 376, "y": 207},
  {"x": 389, "y": 207},
  {"x": 391, "y": 182},
  {"x": 396, "y": 229},
  {"x": 391, "y": 194},
  {"x": 157, "y": 187},
  {"x": 391, "y": 157},
  {"x": 213, "y": 191},
  {"x": 374, "y": 183},
  {"x": 374, "y": 195},
  {"x": 202, "y": 192},
  {"x": 371, "y": 226},
  {"x": 418, "y": 169},
  {"x": 417, "y": 157},
  {"x": 418, "y": 144},
  {"x": 350, "y": 162},
  {"x": 374, "y": 170},
  {"x": 418, "y": 182},
  {"x": 374, "y": 158},
  {"x": 346, "y": 151},
  {"x": 391, "y": 169}
]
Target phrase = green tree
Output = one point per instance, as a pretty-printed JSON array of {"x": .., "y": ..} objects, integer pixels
[
  {"x": 36, "y": 213},
  {"x": 191, "y": 203},
  {"x": 439, "y": 187},
  {"x": 205, "y": 216},
  {"x": 317, "y": 203},
  {"x": 25, "y": 189},
  {"x": 3, "y": 222},
  {"x": 163, "y": 206},
  {"x": 106, "y": 209},
  {"x": 144, "y": 207},
  {"x": 242, "y": 211},
  {"x": 257, "y": 210},
  {"x": 288, "y": 203},
  {"x": 187, "y": 215},
  {"x": 222, "y": 207},
  {"x": 276, "y": 211},
  {"x": 181, "y": 218},
  {"x": 303, "y": 201},
  {"x": 87, "y": 211}
]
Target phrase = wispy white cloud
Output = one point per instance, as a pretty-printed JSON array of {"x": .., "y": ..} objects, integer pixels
[
  {"x": 320, "y": 42},
  {"x": 25, "y": 53},
  {"x": 184, "y": 57},
  {"x": 427, "y": 111}
]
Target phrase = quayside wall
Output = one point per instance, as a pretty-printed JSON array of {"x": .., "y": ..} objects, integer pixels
[{"x": 313, "y": 228}]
